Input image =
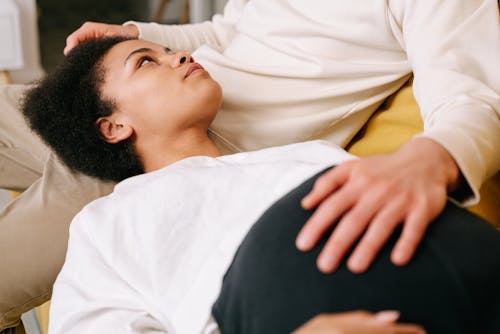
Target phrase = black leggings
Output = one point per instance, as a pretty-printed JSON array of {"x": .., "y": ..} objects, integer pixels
[{"x": 452, "y": 285}]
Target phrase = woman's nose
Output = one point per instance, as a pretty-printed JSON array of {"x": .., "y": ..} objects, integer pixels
[{"x": 182, "y": 57}]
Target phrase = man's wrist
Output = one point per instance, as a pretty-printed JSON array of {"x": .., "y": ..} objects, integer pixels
[{"x": 430, "y": 149}]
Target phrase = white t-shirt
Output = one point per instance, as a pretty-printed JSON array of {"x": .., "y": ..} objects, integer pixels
[
  {"x": 150, "y": 257},
  {"x": 295, "y": 70}
]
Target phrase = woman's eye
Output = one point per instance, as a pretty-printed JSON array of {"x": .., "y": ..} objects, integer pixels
[{"x": 145, "y": 60}]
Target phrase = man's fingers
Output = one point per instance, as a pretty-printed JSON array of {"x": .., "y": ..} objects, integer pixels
[
  {"x": 338, "y": 244},
  {"x": 345, "y": 234},
  {"x": 348, "y": 230},
  {"x": 79, "y": 35},
  {"x": 322, "y": 219},
  {"x": 90, "y": 30},
  {"x": 352, "y": 226},
  {"x": 411, "y": 236},
  {"x": 377, "y": 234},
  {"x": 71, "y": 42},
  {"x": 325, "y": 185}
]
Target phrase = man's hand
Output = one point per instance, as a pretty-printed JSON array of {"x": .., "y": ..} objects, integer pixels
[
  {"x": 91, "y": 30},
  {"x": 370, "y": 197},
  {"x": 358, "y": 322}
]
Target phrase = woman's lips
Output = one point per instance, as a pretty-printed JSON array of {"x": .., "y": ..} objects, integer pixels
[{"x": 193, "y": 68}]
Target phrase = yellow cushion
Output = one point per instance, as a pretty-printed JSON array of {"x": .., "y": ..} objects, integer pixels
[
  {"x": 489, "y": 206},
  {"x": 42, "y": 313},
  {"x": 398, "y": 120}
]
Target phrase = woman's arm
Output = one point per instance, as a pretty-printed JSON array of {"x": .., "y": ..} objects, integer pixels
[{"x": 90, "y": 296}]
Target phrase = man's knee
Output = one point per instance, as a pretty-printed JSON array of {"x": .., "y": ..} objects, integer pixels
[
  {"x": 34, "y": 234},
  {"x": 22, "y": 154}
]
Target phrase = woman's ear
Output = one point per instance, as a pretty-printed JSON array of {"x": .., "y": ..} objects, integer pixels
[{"x": 113, "y": 132}]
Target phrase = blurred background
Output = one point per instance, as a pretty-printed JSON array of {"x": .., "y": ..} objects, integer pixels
[{"x": 58, "y": 18}]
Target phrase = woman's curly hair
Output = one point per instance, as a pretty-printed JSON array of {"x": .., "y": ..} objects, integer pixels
[{"x": 63, "y": 109}]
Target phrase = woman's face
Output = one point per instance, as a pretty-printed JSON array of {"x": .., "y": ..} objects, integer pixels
[{"x": 158, "y": 92}]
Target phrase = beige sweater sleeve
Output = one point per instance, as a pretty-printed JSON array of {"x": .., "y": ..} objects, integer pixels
[
  {"x": 454, "y": 51},
  {"x": 217, "y": 33}
]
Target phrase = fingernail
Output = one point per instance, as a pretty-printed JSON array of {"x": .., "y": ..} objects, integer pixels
[
  {"x": 398, "y": 257},
  {"x": 326, "y": 264},
  {"x": 387, "y": 316},
  {"x": 302, "y": 242},
  {"x": 356, "y": 264}
]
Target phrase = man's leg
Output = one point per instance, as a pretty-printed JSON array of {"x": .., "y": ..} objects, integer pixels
[
  {"x": 451, "y": 285},
  {"x": 22, "y": 154},
  {"x": 34, "y": 227}
]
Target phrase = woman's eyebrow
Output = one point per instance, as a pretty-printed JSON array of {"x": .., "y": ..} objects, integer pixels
[{"x": 136, "y": 51}]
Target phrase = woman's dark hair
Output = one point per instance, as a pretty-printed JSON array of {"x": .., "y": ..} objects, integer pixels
[{"x": 63, "y": 109}]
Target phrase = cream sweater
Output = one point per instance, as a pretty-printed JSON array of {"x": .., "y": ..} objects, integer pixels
[
  {"x": 291, "y": 71},
  {"x": 150, "y": 257}
]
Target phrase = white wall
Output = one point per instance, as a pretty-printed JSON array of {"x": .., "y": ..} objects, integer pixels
[{"x": 31, "y": 53}]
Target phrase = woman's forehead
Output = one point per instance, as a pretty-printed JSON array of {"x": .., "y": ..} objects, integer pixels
[{"x": 122, "y": 51}]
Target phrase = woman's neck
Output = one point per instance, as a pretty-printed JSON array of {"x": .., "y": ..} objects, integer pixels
[{"x": 163, "y": 153}]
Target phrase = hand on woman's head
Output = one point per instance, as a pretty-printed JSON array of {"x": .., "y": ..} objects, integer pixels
[{"x": 91, "y": 30}]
